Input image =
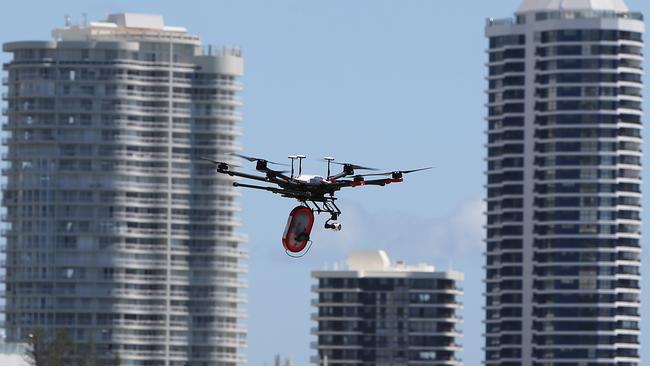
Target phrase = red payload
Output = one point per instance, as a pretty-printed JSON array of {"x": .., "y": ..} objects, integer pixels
[{"x": 298, "y": 229}]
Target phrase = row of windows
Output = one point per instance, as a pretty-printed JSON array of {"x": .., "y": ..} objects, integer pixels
[
  {"x": 574, "y": 78},
  {"x": 579, "y": 353},
  {"x": 506, "y": 163},
  {"x": 589, "y": 35},
  {"x": 584, "y": 64},
  {"x": 506, "y": 68},
  {"x": 588, "y": 271},
  {"x": 510, "y": 53},
  {"x": 508, "y": 40},
  {"x": 565, "y": 229},
  {"x": 385, "y": 284},
  {"x": 584, "y": 229},
  {"x": 587, "y": 119},
  {"x": 384, "y": 355},
  {"x": 509, "y": 94},
  {"x": 588, "y": 201},
  {"x": 506, "y": 122},
  {"x": 582, "y": 188},
  {"x": 585, "y": 160},
  {"x": 588, "y": 50},
  {"x": 563, "y": 243},
  {"x": 566, "y": 64},
  {"x": 587, "y": 146},
  {"x": 586, "y": 105},
  {"x": 569, "y": 133},
  {"x": 585, "y": 312}
]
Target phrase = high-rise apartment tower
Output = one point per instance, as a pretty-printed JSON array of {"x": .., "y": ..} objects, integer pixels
[
  {"x": 118, "y": 233},
  {"x": 377, "y": 313},
  {"x": 564, "y": 185}
]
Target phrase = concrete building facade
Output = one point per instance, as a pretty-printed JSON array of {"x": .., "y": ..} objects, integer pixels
[
  {"x": 117, "y": 232},
  {"x": 375, "y": 313},
  {"x": 564, "y": 185}
]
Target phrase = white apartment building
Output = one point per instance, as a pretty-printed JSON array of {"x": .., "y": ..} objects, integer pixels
[{"x": 117, "y": 232}]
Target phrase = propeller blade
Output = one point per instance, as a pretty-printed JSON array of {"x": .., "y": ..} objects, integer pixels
[
  {"x": 395, "y": 172},
  {"x": 253, "y": 159},
  {"x": 216, "y": 162},
  {"x": 212, "y": 160},
  {"x": 353, "y": 166}
]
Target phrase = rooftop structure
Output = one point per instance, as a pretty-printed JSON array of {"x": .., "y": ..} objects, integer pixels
[{"x": 551, "y": 5}]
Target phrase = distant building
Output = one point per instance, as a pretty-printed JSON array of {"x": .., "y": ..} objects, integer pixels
[
  {"x": 564, "y": 185},
  {"x": 118, "y": 232},
  {"x": 375, "y": 313}
]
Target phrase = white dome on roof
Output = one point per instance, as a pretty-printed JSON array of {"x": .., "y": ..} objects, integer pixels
[{"x": 555, "y": 5}]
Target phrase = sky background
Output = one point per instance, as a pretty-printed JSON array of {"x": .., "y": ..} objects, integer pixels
[{"x": 391, "y": 84}]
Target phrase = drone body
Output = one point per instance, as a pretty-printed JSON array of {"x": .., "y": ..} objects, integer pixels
[{"x": 314, "y": 192}]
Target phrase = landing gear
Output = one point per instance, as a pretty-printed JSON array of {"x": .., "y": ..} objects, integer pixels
[{"x": 327, "y": 206}]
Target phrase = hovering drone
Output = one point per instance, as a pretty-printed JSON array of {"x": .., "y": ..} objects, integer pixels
[{"x": 314, "y": 192}]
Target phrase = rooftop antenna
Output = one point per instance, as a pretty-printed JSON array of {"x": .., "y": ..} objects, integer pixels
[
  {"x": 66, "y": 17},
  {"x": 300, "y": 157},
  {"x": 85, "y": 19},
  {"x": 329, "y": 160},
  {"x": 292, "y": 157}
]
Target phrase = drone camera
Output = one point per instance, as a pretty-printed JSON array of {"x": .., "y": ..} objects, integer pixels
[
  {"x": 222, "y": 167},
  {"x": 334, "y": 226}
]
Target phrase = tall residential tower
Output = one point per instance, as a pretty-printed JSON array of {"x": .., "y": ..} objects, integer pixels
[
  {"x": 564, "y": 185},
  {"x": 118, "y": 233}
]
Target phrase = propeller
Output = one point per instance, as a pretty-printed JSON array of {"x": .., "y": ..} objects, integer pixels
[
  {"x": 353, "y": 166},
  {"x": 221, "y": 164},
  {"x": 395, "y": 173},
  {"x": 254, "y": 159}
]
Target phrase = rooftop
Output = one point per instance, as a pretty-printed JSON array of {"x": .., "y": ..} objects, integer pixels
[
  {"x": 375, "y": 263},
  {"x": 377, "y": 260},
  {"x": 555, "y": 5},
  {"x": 124, "y": 26}
]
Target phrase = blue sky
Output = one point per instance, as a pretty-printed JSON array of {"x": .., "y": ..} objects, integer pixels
[{"x": 391, "y": 84}]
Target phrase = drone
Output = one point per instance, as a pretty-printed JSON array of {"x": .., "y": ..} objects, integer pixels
[{"x": 314, "y": 192}]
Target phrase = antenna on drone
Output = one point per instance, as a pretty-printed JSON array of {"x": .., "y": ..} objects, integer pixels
[
  {"x": 329, "y": 160},
  {"x": 300, "y": 157},
  {"x": 292, "y": 157}
]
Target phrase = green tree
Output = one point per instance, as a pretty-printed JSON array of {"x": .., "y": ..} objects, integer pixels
[
  {"x": 60, "y": 350},
  {"x": 49, "y": 349},
  {"x": 36, "y": 354}
]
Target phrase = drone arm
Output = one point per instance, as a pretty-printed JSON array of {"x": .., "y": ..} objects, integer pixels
[
  {"x": 373, "y": 182},
  {"x": 269, "y": 189},
  {"x": 381, "y": 182},
  {"x": 243, "y": 175},
  {"x": 342, "y": 174}
]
